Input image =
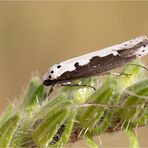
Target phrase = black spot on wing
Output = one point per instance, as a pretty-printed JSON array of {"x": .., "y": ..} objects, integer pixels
[
  {"x": 77, "y": 65},
  {"x": 59, "y": 66}
]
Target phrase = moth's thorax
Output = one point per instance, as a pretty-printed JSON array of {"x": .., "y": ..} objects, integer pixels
[{"x": 128, "y": 50}]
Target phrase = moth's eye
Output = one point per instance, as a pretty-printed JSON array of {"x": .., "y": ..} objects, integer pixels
[
  {"x": 58, "y": 66},
  {"x": 52, "y": 71},
  {"x": 49, "y": 76}
]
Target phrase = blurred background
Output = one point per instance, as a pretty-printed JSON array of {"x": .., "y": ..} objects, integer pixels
[{"x": 35, "y": 35}]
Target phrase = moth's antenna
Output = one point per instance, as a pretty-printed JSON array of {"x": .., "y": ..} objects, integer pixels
[{"x": 139, "y": 66}]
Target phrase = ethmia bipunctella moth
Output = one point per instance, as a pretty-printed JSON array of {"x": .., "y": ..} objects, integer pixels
[{"x": 96, "y": 63}]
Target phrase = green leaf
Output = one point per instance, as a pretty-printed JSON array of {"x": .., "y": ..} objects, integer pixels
[
  {"x": 7, "y": 130},
  {"x": 51, "y": 107},
  {"x": 138, "y": 86},
  {"x": 143, "y": 118},
  {"x": 7, "y": 114},
  {"x": 68, "y": 129},
  {"x": 134, "y": 101},
  {"x": 90, "y": 116},
  {"x": 23, "y": 135},
  {"x": 44, "y": 133},
  {"x": 35, "y": 94},
  {"x": 102, "y": 126}
]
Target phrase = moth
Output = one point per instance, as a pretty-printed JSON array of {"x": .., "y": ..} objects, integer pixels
[{"x": 96, "y": 63}]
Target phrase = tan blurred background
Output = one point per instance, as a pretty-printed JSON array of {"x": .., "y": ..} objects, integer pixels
[{"x": 35, "y": 35}]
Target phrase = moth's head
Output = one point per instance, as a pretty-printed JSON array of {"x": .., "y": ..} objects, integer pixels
[{"x": 50, "y": 76}]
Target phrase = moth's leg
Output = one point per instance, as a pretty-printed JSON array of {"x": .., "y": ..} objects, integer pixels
[
  {"x": 128, "y": 75},
  {"x": 51, "y": 90},
  {"x": 125, "y": 74},
  {"x": 119, "y": 74},
  {"x": 139, "y": 66},
  {"x": 81, "y": 85}
]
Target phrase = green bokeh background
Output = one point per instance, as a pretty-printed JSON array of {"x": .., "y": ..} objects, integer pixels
[{"x": 35, "y": 35}]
